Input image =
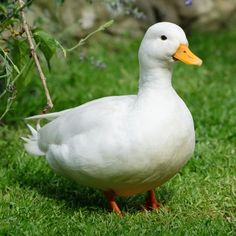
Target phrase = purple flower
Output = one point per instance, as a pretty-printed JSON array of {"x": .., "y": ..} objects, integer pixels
[{"x": 188, "y": 2}]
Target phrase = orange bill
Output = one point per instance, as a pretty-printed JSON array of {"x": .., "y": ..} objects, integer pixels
[{"x": 184, "y": 54}]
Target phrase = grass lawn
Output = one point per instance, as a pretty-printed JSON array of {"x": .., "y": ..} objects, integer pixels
[{"x": 200, "y": 200}]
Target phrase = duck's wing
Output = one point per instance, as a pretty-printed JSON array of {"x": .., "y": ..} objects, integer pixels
[{"x": 103, "y": 113}]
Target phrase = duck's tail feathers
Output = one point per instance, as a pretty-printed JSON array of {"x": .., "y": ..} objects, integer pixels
[
  {"x": 31, "y": 143},
  {"x": 49, "y": 116}
]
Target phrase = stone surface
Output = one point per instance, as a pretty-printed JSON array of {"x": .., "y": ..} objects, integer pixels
[
  {"x": 77, "y": 18},
  {"x": 203, "y": 14}
]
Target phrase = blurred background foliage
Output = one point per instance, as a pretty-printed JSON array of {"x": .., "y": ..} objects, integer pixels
[{"x": 65, "y": 22}]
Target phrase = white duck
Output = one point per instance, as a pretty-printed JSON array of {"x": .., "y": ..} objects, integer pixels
[{"x": 125, "y": 145}]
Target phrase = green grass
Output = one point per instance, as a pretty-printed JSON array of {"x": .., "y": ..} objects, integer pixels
[{"x": 200, "y": 200}]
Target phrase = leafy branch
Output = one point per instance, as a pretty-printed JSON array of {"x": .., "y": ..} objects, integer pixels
[
  {"x": 35, "y": 57},
  {"x": 83, "y": 40},
  {"x": 17, "y": 39}
]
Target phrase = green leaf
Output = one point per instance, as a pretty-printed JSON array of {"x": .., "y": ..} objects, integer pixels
[
  {"x": 8, "y": 21},
  {"x": 21, "y": 57},
  {"x": 47, "y": 44},
  {"x": 3, "y": 9},
  {"x": 19, "y": 51}
]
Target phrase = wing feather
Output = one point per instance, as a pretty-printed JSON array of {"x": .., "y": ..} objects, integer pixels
[{"x": 49, "y": 116}]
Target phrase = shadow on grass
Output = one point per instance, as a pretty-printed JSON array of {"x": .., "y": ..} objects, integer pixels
[{"x": 75, "y": 196}]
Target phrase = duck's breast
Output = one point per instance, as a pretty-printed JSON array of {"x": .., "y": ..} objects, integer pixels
[{"x": 165, "y": 137}]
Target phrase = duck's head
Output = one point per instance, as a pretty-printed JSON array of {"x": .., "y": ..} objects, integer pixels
[{"x": 165, "y": 43}]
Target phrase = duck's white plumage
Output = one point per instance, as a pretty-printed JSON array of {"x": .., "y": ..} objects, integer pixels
[{"x": 127, "y": 144}]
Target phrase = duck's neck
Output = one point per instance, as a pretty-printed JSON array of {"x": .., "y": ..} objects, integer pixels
[{"x": 155, "y": 79}]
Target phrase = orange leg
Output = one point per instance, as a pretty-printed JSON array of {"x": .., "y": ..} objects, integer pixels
[
  {"x": 151, "y": 202},
  {"x": 110, "y": 195}
]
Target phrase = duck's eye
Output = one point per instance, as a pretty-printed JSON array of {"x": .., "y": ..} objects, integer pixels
[{"x": 163, "y": 37}]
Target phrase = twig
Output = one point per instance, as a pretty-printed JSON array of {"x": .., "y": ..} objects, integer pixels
[
  {"x": 9, "y": 103},
  {"x": 14, "y": 80},
  {"x": 35, "y": 57},
  {"x": 9, "y": 59},
  {"x": 82, "y": 41}
]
